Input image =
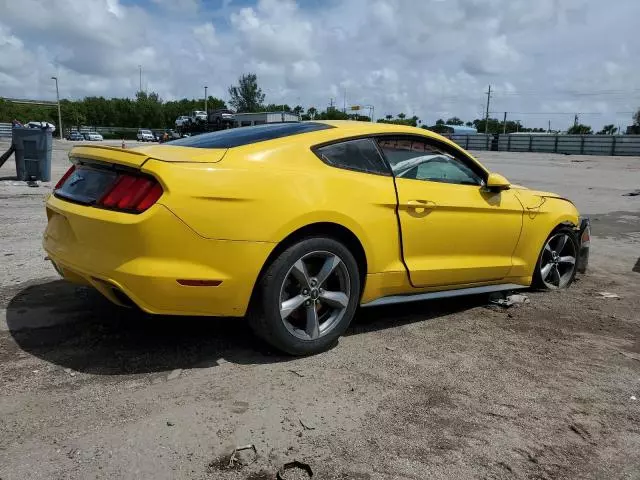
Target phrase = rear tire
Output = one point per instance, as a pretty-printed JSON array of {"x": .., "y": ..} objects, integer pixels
[
  {"x": 556, "y": 265},
  {"x": 306, "y": 298}
]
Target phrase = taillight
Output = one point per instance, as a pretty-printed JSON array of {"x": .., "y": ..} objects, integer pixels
[
  {"x": 64, "y": 177},
  {"x": 131, "y": 193}
]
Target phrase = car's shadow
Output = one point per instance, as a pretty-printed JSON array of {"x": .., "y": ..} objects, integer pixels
[{"x": 75, "y": 327}]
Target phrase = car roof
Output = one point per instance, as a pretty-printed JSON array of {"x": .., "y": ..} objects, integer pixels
[
  {"x": 314, "y": 132},
  {"x": 371, "y": 128}
]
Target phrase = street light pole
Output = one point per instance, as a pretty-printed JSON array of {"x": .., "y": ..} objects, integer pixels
[
  {"x": 205, "y": 100},
  {"x": 59, "y": 113}
]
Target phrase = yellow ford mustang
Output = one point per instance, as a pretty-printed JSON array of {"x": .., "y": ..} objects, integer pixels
[{"x": 297, "y": 224}]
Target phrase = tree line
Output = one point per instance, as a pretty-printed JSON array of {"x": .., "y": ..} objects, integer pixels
[{"x": 150, "y": 111}]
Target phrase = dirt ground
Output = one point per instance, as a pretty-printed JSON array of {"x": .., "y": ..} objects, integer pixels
[{"x": 440, "y": 389}]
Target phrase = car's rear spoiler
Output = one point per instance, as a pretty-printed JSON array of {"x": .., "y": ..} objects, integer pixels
[{"x": 137, "y": 156}]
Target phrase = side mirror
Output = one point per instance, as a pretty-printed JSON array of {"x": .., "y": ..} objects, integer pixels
[{"x": 495, "y": 181}]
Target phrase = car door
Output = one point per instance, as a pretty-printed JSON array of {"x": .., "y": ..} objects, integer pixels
[{"x": 454, "y": 230}]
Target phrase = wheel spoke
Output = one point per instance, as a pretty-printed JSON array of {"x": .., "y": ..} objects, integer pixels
[
  {"x": 312, "y": 326},
  {"x": 299, "y": 271},
  {"x": 562, "y": 240},
  {"x": 567, "y": 259},
  {"x": 291, "y": 305},
  {"x": 545, "y": 271},
  {"x": 547, "y": 247},
  {"x": 334, "y": 299},
  {"x": 328, "y": 267},
  {"x": 556, "y": 274}
]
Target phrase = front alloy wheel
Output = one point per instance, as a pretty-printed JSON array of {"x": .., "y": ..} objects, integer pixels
[
  {"x": 557, "y": 263},
  {"x": 307, "y": 297}
]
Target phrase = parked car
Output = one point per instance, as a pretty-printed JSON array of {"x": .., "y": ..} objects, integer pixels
[
  {"x": 50, "y": 126},
  {"x": 93, "y": 136},
  {"x": 75, "y": 136},
  {"x": 198, "y": 116},
  {"x": 167, "y": 135},
  {"x": 297, "y": 224},
  {"x": 222, "y": 118},
  {"x": 182, "y": 121},
  {"x": 145, "y": 136}
]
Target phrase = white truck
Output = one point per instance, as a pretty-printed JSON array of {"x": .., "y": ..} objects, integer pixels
[
  {"x": 182, "y": 121},
  {"x": 198, "y": 116},
  {"x": 145, "y": 136}
]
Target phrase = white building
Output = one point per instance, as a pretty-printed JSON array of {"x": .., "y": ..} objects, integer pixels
[{"x": 260, "y": 118}]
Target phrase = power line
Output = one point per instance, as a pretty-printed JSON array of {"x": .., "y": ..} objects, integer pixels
[
  {"x": 566, "y": 113},
  {"x": 568, "y": 93}
]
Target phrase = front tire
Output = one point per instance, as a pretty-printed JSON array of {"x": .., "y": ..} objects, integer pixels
[
  {"x": 307, "y": 297},
  {"x": 556, "y": 266}
]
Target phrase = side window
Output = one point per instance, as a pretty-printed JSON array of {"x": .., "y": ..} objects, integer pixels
[
  {"x": 420, "y": 160},
  {"x": 361, "y": 155}
]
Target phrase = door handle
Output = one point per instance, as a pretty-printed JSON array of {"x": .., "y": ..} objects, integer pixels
[{"x": 421, "y": 204}]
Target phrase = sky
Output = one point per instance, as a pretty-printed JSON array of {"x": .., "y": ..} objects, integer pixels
[{"x": 545, "y": 59}]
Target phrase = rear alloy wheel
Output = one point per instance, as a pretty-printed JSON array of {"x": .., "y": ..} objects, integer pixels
[
  {"x": 556, "y": 266},
  {"x": 307, "y": 297}
]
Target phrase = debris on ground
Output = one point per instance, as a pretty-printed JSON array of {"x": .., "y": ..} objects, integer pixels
[
  {"x": 634, "y": 193},
  {"x": 390, "y": 348},
  {"x": 507, "y": 301},
  {"x": 633, "y": 397},
  {"x": 174, "y": 374},
  {"x": 70, "y": 372},
  {"x": 608, "y": 295},
  {"x": 170, "y": 423},
  {"x": 295, "y": 372},
  {"x": 306, "y": 425},
  {"x": 240, "y": 459},
  {"x": 294, "y": 471}
]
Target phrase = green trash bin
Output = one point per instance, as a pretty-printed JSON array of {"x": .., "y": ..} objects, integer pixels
[{"x": 33, "y": 153}]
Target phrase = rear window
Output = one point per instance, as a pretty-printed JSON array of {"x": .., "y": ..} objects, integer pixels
[{"x": 236, "y": 137}]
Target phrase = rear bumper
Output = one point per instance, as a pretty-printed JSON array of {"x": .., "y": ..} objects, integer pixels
[
  {"x": 141, "y": 258},
  {"x": 584, "y": 239}
]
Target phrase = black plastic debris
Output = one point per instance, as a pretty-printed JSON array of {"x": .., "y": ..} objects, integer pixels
[{"x": 294, "y": 470}]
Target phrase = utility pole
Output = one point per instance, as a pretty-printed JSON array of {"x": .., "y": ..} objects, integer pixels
[
  {"x": 140, "y": 70},
  {"x": 575, "y": 120},
  {"x": 486, "y": 118},
  {"x": 344, "y": 105},
  {"x": 331, "y": 103},
  {"x": 504, "y": 123},
  {"x": 549, "y": 129},
  {"x": 59, "y": 113},
  {"x": 205, "y": 100}
]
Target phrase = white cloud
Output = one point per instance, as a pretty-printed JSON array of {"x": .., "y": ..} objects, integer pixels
[
  {"x": 495, "y": 56},
  {"x": 429, "y": 57},
  {"x": 206, "y": 34},
  {"x": 184, "y": 6},
  {"x": 274, "y": 31}
]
